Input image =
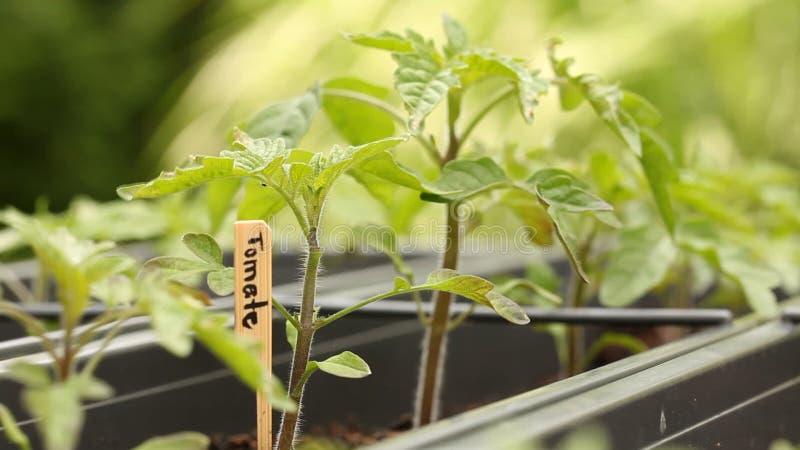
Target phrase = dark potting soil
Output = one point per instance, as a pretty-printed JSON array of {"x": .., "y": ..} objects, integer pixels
[{"x": 335, "y": 436}]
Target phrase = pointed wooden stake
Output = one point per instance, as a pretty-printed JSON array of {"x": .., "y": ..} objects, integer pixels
[{"x": 253, "y": 304}]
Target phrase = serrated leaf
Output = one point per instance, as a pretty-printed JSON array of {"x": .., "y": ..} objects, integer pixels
[
  {"x": 606, "y": 100},
  {"x": 62, "y": 255},
  {"x": 422, "y": 80},
  {"x": 288, "y": 120},
  {"x": 559, "y": 188},
  {"x": 384, "y": 40},
  {"x": 221, "y": 281},
  {"x": 569, "y": 91},
  {"x": 219, "y": 198},
  {"x": 291, "y": 335},
  {"x": 357, "y": 121},
  {"x": 661, "y": 173},
  {"x": 479, "y": 64},
  {"x": 341, "y": 159},
  {"x": 346, "y": 365},
  {"x": 204, "y": 247},
  {"x": 58, "y": 407},
  {"x": 457, "y": 38},
  {"x": 462, "y": 179},
  {"x": 179, "y": 441},
  {"x": 640, "y": 261},
  {"x": 12, "y": 430},
  {"x": 202, "y": 170}
]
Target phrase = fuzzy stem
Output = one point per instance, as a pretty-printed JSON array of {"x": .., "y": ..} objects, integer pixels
[
  {"x": 305, "y": 334},
  {"x": 575, "y": 332},
  {"x": 428, "y": 386}
]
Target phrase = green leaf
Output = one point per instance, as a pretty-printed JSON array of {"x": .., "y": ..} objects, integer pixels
[
  {"x": 462, "y": 179},
  {"x": 476, "y": 289},
  {"x": 291, "y": 335},
  {"x": 12, "y": 431},
  {"x": 531, "y": 213},
  {"x": 221, "y": 281},
  {"x": 63, "y": 255},
  {"x": 58, "y": 407},
  {"x": 346, "y": 365},
  {"x": 171, "y": 316},
  {"x": 422, "y": 80},
  {"x": 200, "y": 170},
  {"x": 260, "y": 202},
  {"x": 755, "y": 280},
  {"x": 559, "y": 188},
  {"x": 327, "y": 168},
  {"x": 242, "y": 358},
  {"x": 30, "y": 375},
  {"x": 479, "y": 64},
  {"x": 642, "y": 111},
  {"x": 204, "y": 247},
  {"x": 384, "y": 40},
  {"x": 507, "y": 308},
  {"x": 561, "y": 193},
  {"x": 219, "y": 198},
  {"x": 401, "y": 284},
  {"x": 288, "y": 120},
  {"x": 104, "y": 266},
  {"x": 384, "y": 167},
  {"x": 357, "y": 121},
  {"x": 569, "y": 91},
  {"x": 661, "y": 172},
  {"x": 186, "y": 440},
  {"x": 457, "y": 38},
  {"x": 543, "y": 294},
  {"x": 638, "y": 263},
  {"x": 92, "y": 388},
  {"x": 174, "y": 265},
  {"x": 606, "y": 100}
]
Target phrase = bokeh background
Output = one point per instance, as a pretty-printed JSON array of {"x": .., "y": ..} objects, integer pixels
[{"x": 100, "y": 93}]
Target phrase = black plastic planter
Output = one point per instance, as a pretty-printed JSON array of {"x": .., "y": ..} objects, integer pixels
[
  {"x": 489, "y": 360},
  {"x": 735, "y": 388}
]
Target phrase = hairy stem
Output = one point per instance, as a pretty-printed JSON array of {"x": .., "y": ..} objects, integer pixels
[
  {"x": 428, "y": 385},
  {"x": 575, "y": 332},
  {"x": 305, "y": 334}
]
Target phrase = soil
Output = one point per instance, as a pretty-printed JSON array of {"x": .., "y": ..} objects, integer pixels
[{"x": 335, "y": 436}]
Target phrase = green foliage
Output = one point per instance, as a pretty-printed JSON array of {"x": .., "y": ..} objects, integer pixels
[
  {"x": 12, "y": 431},
  {"x": 356, "y": 121},
  {"x": 288, "y": 120},
  {"x": 177, "y": 441},
  {"x": 639, "y": 262},
  {"x": 345, "y": 365}
]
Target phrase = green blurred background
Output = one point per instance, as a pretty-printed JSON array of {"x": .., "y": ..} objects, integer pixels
[{"x": 100, "y": 93}]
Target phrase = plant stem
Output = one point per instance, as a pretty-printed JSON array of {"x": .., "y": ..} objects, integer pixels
[
  {"x": 393, "y": 112},
  {"x": 285, "y": 313},
  {"x": 575, "y": 332},
  {"x": 305, "y": 335},
  {"x": 428, "y": 385}
]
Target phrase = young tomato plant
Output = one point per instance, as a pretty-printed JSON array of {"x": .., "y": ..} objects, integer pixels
[
  {"x": 276, "y": 177},
  {"x": 83, "y": 270}
]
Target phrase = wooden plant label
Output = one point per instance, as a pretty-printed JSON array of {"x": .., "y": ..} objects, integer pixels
[{"x": 253, "y": 304}]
